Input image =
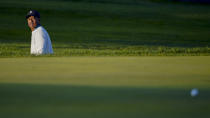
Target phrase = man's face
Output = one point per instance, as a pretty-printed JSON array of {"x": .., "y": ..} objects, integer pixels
[{"x": 33, "y": 22}]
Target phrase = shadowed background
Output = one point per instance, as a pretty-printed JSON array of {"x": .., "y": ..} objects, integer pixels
[{"x": 97, "y": 27}]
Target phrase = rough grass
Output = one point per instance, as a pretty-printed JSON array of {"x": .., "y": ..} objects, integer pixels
[
  {"x": 23, "y": 50},
  {"x": 106, "y": 28}
]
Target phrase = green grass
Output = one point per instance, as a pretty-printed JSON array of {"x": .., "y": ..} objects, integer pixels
[
  {"x": 119, "y": 83},
  {"x": 115, "y": 87},
  {"x": 108, "y": 27},
  {"x": 106, "y": 77},
  {"x": 60, "y": 50}
]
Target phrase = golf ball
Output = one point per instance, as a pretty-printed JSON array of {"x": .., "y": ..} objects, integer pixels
[{"x": 194, "y": 92}]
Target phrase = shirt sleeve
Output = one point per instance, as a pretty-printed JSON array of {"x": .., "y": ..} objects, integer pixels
[{"x": 40, "y": 42}]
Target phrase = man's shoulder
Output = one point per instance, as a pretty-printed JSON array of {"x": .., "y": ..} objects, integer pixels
[{"x": 41, "y": 29}]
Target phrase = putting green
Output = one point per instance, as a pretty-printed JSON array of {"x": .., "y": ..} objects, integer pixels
[
  {"x": 101, "y": 87},
  {"x": 108, "y": 71}
]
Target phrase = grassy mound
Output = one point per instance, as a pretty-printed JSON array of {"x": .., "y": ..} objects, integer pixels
[{"x": 108, "y": 27}]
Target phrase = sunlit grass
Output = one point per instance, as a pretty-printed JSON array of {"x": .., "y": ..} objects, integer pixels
[{"x": 23, "y": 50}]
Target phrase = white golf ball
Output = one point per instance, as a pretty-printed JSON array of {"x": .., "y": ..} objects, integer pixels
[{"x": 194, "y": 92}]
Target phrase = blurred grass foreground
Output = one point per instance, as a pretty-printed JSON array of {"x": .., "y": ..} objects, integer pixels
[
  {"x": 108, "y": 27},
  {"x": 104, "y": 87}
]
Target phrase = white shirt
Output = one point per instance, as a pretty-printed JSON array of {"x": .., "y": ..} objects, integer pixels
[{"x": 40, "y": 42}]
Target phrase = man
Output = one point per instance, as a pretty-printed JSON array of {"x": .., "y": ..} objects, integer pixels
[{"x": 40, "y": 40}]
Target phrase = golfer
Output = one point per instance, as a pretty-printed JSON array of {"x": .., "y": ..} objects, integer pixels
[{"x": 40, "y": 40}]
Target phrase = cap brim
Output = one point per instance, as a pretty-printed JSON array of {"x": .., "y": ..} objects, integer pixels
[
  {"x": 31, "y": 15},
  {"x": 28, "y": 16}
]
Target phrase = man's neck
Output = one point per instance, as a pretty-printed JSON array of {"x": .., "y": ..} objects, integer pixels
[{"x": 33, "y": 28}]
